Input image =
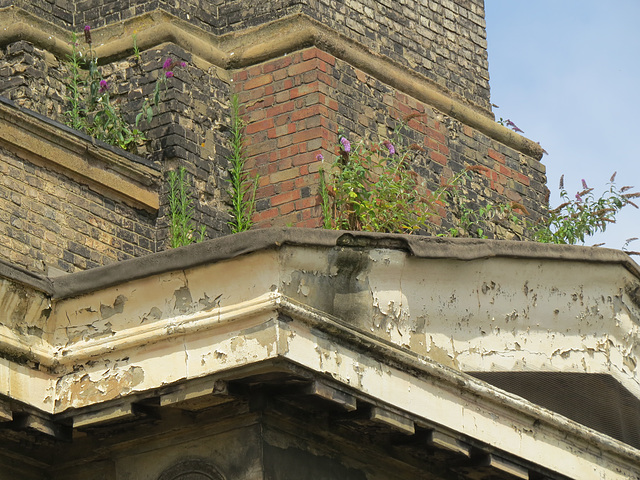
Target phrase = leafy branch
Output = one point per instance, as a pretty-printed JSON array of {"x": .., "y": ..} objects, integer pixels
[
  {"x": 583, "y": 215},
  {"x": 91, "y": 109},
  {"x": 374, "y": 189},
  {"x": 473, "y": 220}
]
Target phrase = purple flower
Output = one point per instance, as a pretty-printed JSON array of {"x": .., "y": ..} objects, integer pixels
[
  {"x": 584, "y": 184},
  {"x": 389, "y": 145},
  {"x": 513, "y": 126},
  {"x": 169, "y": 74},
  {"x": 104, "y": 86},
  {"x": 578, "y": 198},
  {"x": 183, "y": 64},
  {"x": 167, "y": 64},
  {"x": 319, "y": 157},
  {"x": 87, "y": 34},
  {"x": 346, "y": 146}
]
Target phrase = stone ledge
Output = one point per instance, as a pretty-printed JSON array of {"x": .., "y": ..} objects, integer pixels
[
  {"x": 256, "y": 45},
  {"x": 417, "y": 390},
  {"x": 255, "y": 240},
  {"x": 209, "y": 284},
  {"x": 53, "y": 145}
]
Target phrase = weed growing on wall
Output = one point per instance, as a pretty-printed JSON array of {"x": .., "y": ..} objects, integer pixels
[
  {"x": 373, "y": 188},
  {"x": 583, "y": 215},
  {"x": 473, "y": 220},
  {"x": 243, "y": 187},
  {"x": 136, "y": 50},
  {"x": 91, "y": 109},
  {"x": 182, "y": 229},
  {"x": 75, "y": 98}
]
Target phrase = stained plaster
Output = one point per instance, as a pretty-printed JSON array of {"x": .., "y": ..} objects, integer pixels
[{"x": 371, "y": 311}]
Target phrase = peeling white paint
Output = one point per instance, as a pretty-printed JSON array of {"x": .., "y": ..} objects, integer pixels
[{"x": 495, "y": 314}]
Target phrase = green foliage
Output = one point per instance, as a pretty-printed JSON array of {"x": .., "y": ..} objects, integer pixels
[
  {"x": 136, "y": 50},
  {"x": 182, "y": 230},
  {"x": 473, "y": 221},
  {"x": 243, "y": 187},
  {"x": 327, "y": 217},
  {"x": 91, "y": 109},
  {"x": 75, "y": 112},
  {"x": 584, "y": 215},
  {"x": 374, "y": 189}
]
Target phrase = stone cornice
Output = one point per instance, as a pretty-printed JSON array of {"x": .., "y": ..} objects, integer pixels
[
  {"x": 455, "y": 383},
  {"x": 44, "y": 292},
  {"x": 465, "y": 249},
  {"x": 254, "y": 45},
  {"x": 53, "y": 145},
  {"x": 440, "y": 381},
  {"x": 255, "y": 325}
]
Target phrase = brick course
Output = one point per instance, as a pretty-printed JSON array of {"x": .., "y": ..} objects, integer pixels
[
  {"x": 443, "y": 40},
  {"x": 296, "y": 121},
  {"x": 363, "y": 108}
]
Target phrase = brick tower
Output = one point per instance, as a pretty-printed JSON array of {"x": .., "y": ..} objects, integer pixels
[
  {"x": 287, "y": 353},
  {"x": 302, "y": 70}
]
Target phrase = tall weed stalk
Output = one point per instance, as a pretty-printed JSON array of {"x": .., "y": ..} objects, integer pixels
[
  {"x": 243, "y": 187},
  {"x": 584, "y": 215},
  {"x": 182, "y": 229},
  {"x": 373, "y": 188}
]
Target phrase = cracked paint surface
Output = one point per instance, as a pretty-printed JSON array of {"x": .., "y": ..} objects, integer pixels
[
  {"x": 482, "y": 315},
  {"x": 370, "y": 318}
]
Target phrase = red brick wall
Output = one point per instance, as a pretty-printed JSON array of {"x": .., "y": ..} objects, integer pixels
[
  {"x": 290, "y": 118},
  {"x": 294, "y": 105}
]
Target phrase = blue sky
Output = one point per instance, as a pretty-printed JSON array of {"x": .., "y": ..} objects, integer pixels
[{"x": 567, "y": 72}]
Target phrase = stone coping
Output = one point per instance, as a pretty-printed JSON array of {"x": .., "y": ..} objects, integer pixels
[
  {"x": 46, "y": 142},
  {"x": 255, "y": 45},
  {"x": 231, "y": 246}
]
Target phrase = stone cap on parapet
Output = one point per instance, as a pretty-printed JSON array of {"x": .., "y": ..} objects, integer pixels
[
  {"x": 228, "y": 247},
  {"x": 56, "y": 146}
]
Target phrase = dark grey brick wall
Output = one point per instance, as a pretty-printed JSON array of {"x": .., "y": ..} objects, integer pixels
[
  {"x": 188, "y": 127},
  {"x": 444, "y": 40}
]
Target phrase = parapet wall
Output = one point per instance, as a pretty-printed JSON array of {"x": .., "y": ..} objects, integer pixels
[
  {"x": 303, "y": 71},
  {"x": 67, "y": 204}
]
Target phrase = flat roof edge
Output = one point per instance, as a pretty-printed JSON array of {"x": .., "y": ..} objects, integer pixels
[{"x": 231, "y": 246}]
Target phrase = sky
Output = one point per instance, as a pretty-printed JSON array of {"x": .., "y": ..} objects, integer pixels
[{"x": 567, "y": 72}]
